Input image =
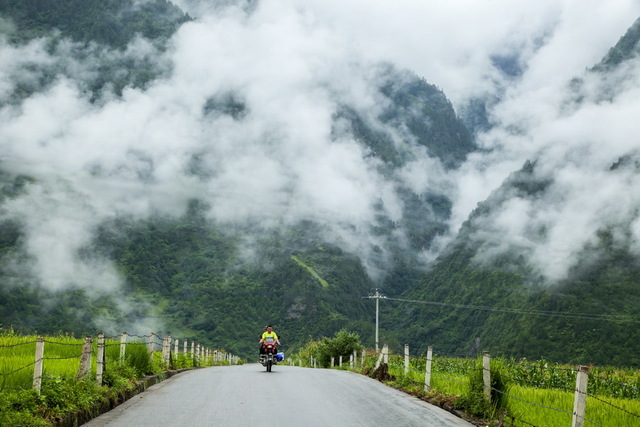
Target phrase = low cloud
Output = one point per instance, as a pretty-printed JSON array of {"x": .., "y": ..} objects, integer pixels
[
  {"x": 279, "y": 157},
  {"x": 580, "y": 148}
]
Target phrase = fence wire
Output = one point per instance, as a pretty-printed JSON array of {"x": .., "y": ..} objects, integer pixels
[
  {"x": 611, "y": 404},
  {"x": 65, "y": 343},
  {"x": 396, "y": 364},
  {"x": 17, "y": 345},
  {"x": 160, "y": 344},
  {"x": 6, "y": 374}
]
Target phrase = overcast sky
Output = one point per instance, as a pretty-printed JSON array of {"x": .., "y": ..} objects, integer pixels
[{"x": 293, "y": 62}]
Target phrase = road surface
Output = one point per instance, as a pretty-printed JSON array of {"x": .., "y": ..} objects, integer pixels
[{"x": 247, "y": 395}]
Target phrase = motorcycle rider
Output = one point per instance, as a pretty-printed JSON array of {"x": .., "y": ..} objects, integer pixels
[{"x": 268, "y": 333}]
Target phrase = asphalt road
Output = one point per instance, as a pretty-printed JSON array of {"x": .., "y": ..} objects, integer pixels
[{"x": 288, "y": 396}]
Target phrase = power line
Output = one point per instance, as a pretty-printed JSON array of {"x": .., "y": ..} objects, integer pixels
[{"x": 586, "y": 316}]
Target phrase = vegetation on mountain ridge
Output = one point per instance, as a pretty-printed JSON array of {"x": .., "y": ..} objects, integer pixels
[{"x": 193, "y": 276}]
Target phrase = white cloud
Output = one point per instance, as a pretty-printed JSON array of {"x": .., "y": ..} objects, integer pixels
[{"x": 292, "y": 63}]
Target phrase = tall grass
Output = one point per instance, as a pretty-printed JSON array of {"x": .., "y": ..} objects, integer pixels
[
  {"x": 16, "y": 370},
  {"x": 538, "y": 392},
  {"x": 61, "y": 395},
  {"x": 448, "y": 375},
  {"x": 548, "y": 407},
  {"x": 62, "y": 359},
  {"x": 17, "y": 357}
]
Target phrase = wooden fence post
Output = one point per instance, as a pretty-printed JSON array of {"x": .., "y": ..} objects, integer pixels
[
  {"x": 151, "y": 347},
  {"x": 100, "y": 359},
  {"x": 427, "y": 374},
  {"x": 37, "y": 369},
  {"x": 123, "y": 346},
  {"x": 486, "y": 374},
  {"x": 340, "y": 361},
  {"x": 85, "y": 360},
  {"x": 193, "y": 354},
  {"x": 406, "y": 359},
  {"x": 580, "y": 398},
  {"x": 176, "y": 343},
  {"x": 184, "y": 349},
  {"x": 165, "y": 349}
]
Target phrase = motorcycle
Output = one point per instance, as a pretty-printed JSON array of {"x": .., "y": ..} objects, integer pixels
[{"x": 270, "y": 355}]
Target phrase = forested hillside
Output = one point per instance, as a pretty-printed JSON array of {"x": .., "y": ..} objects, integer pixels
[
  {"x": 199, "y": 281},
  {"x": 195, "y": 277},
  {"x": 111, "y": 22},
  {"x": 492, "y": 297},
  {"x": 93, "y": 25},
  {"x": 467, "y": 303},
  {"x": 203, "y": 176}
]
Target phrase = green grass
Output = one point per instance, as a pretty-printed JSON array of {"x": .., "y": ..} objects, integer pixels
[
  {"x": 17, "y": 356},
  {"x": 537, "y": 411},
  {"x": 62, "y": 359},
  {"x": 61, "y": 394},
  {"x": 539, "y": 393},
  {"x": 311, "y": 271}
]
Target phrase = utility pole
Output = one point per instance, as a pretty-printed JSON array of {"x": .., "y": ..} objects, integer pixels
[{"x": 377, "y": 297}]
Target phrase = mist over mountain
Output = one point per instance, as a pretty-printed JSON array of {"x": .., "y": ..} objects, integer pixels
[
  {"x": 581, "y": 177},
  {"x": 547, "y": 265},
  {"x": 173, "y": 166}
]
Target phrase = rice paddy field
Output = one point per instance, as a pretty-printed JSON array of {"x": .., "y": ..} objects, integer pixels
[
  {"x": 538, "y": 393},
  {"x": 62, "y": 356},
  {"x": 17, "y": 360},
  {"x": 64, "y": 394}
]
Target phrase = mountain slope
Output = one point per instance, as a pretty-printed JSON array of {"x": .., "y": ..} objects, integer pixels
[
  {"x": 196, "y": 278},
  {"x": 499, "y": 302},
  {"x": 628, "y": 47},
  {"x": 110, "y": 22},
  {"x": 204, "y": 177},
  {"x": 183, "y": 270},
  {"x": 96, "y": 34},
  {"x": 509, "y": 282}
]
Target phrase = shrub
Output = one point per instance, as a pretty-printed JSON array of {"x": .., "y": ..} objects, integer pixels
[{"x": 343, "y": 344}]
